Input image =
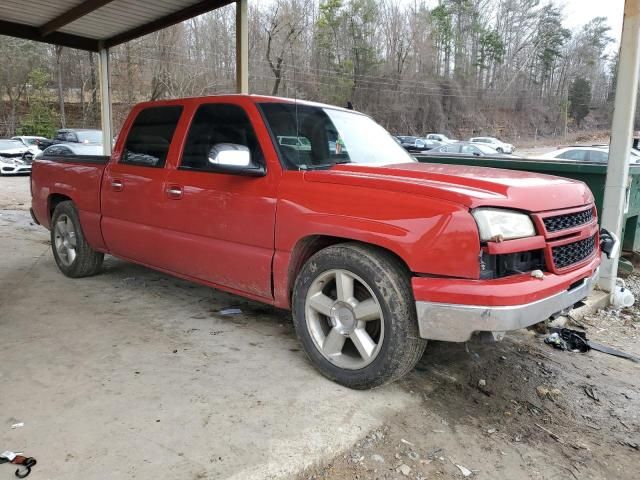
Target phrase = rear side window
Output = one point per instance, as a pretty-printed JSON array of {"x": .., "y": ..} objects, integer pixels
[
  {"x": 579, "y": 155},
  {"x": 598, "y": 156},
  {"x": 217, "y": 124},
  {"x": 469, "y": 149},
  {"x": 150, "y": 136},
  {"x": 450, "y": 148}
]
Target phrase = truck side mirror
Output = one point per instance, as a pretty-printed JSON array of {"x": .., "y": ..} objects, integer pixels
[{"x": 234, "y": 159}]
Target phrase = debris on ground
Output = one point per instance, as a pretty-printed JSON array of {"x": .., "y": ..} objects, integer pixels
[
  {"x": 230, "y": 311},
  {"x": 17, "y": 425},
  {"x": 464, "y": 470},
  {"x": 25, "y": 464},
  {"x": 576, "y": 341},
  {"x": 567, "y": 339},
  {"x": 622, "y": 297},
  {"x": 591, "y": 393},
  {"x": 548, "y": 393},
  {"x": 550, "y": 433},
  {"x": 404, "y": 469}
]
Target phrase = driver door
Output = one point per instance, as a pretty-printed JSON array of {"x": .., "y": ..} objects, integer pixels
[{"x": 220, "y": 226}]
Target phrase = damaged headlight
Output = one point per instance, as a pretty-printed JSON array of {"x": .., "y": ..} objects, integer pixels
[{"x": 496, "y": 224}]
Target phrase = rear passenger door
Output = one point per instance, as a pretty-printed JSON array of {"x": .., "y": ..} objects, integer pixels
[
  {"x": 220, "y": 226},
  {"x": 133, "y": 187}
]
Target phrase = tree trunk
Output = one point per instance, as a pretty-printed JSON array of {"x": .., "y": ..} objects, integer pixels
[
  {"x": 63, "y": 120},
  {"x": 94, "y": 91}
]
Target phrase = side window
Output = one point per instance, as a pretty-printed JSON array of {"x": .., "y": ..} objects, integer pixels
[
  {"x": 598, "y": 156},
  {"x": 72, "y": 137},
  {"x": 149, "y": 139},
  {"x": 579, "y": 155},
  {"x": 469, "y": 149},
  {"x": 55, "y": 150},
  {"x": 64, "y": 151},
  {"x": 220, "y": 123},
  {"x": 451, "y": 148}
]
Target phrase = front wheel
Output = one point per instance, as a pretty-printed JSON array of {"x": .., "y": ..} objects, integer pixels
[
  {"x": 355, "y": 316},
  {"x": 500, "y": 150},
  {"x": 73, "y": 255}
]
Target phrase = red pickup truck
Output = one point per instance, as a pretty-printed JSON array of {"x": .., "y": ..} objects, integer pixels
[{"x": 317, "y": 209}]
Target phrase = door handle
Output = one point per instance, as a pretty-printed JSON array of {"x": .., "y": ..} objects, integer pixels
[
  {"x": 117, "y": 185},
  {"x": 174, "y": 192}
]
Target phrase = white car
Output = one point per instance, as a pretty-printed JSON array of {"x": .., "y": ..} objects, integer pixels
[
  {"x": 499, "y": 146},
  {"x": 30, "y": 141},
  {"x": 15, "y": 158},
  {"x": 596, "y": 154},
  {"x": 438, "y": 137}
]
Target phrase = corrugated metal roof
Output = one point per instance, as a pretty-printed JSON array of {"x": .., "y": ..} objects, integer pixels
[{"x": 84, "y": 23}]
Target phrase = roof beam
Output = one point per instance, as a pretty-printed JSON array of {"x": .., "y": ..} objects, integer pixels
[
  {"x": 56, "y": 38},
  {"x": 71, "y": 15},
  {"x": 171, "y": 19}
]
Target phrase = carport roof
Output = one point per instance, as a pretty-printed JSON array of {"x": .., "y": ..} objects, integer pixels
[{"x": 94, "y": 24}]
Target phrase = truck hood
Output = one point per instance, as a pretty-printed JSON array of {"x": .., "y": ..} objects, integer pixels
[{"x": 469, "y": 186}]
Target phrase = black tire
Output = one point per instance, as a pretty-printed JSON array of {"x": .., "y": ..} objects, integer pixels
[
  {"x": 499, "y": 150},
  {"x": 389, "y": 281},
  {"x": 87, "y": 261}
]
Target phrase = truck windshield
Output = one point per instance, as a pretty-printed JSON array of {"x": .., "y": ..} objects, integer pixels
[{"x": 328, "y": 136}]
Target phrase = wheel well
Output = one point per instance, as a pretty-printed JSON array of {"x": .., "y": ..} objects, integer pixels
[
  {"x": 309, "y": 246},
  {"x": 54, "y": 200}
]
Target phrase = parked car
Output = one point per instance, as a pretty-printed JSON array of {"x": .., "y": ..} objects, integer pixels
[
  {"x": 70, "y": 149},
  {"x": 73, "y": 135},
  {"x": 373, "y": 252},
  {"x": 466, "y": 148},
  {"x": 598, "y": 154},
  {"x": 15, "y": 157},
  {"x": 299, "y": 143},
  {"x": 439, "y": 137},
  {"x": 31, "y": 142},
  {"x": 500, "y": 147},
  {"x": 416, "y": 144},
  {"x": 79, "y": 135}
]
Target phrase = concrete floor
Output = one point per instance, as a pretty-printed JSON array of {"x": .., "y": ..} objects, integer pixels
[{"x": 135, "y": 374}]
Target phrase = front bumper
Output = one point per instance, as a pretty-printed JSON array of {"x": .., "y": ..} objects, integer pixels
[
  {"x": 14, "y": 169},
  {"x": 457, "y": 322}
]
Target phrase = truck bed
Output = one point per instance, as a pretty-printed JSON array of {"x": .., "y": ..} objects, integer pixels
[{"x": 57, "y": 178}]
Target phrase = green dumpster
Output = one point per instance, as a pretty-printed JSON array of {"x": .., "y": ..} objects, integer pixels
[{"x": 594, "y": 175}]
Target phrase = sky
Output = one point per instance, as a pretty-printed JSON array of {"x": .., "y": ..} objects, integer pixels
[{"x": 579, "y": 12}]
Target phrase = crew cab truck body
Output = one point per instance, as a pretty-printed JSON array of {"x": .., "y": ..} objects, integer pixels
[{"x": 373, "y": 252}]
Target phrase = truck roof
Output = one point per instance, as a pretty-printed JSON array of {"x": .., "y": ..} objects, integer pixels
[{"x": 254, "y": 98}]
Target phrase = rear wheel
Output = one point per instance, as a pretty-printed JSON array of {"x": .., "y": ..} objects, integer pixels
[
  {"x": 354, "y": 314},
  {"x": 73, "y": 255}
]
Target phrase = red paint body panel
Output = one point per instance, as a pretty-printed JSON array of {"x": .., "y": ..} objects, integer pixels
[
  {"x": 507, "y": 291},
  {"x": 240, "y": 233},
  {"x": 80, "y": 182}
]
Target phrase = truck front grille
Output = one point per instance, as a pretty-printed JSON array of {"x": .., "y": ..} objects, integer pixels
[
  {"x": 570, "y": 220},
  {"x": 566, "y": 255}
]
